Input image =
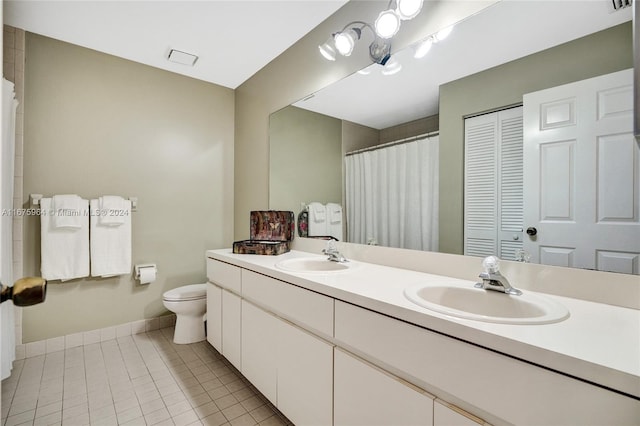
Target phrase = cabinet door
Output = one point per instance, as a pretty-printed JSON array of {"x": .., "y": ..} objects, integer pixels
[
  {"x": 231, "y": 318},
  {"x": 365, "y": 395},
  {"x": 445, "y": 414},
  {"x": 214, "y": 316},
  {"x": 305, "y": 376},
  {"x": 259, "y": 349}
]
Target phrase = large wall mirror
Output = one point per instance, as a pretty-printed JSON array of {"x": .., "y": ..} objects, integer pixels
[{"x": 488, "y": 63}]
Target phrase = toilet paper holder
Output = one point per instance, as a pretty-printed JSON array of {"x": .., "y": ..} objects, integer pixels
[{"x": 138, "y": 268}]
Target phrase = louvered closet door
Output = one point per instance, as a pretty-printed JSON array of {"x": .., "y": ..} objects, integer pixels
[{"x": 493, "y": 184}]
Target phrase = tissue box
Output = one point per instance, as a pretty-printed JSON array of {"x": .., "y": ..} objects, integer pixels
[{"x": 271, "y": 232}]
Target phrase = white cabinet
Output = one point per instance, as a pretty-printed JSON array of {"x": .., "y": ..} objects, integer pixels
[
  {"x": 303, "y": 307},
  {"x": 224, "y": 309},
  {"x": 305, "y": 376},
  {"x": 214, "y": 316},
  {"x": 224, "y": 275},
  {"x": 366, "y": 395},
  {"x": 231, "y": 330},
  {"x": 259, "y": 338},
  {"x": 445, "y": 414}
]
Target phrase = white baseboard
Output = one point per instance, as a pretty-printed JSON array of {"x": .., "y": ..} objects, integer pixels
[{"x": 55, "y": 344}]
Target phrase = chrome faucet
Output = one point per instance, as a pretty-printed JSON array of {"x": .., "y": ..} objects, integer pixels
[
  {"x": 492, "y": 279},
  {"x": 333, "y": 253}
]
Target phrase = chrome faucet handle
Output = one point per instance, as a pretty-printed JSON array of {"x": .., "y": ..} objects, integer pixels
[
  {"x": 492, "y": 279},
  {"x": 333, "y": 253}
]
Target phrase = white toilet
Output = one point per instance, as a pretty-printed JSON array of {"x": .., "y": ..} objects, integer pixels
[{"x": 189, "y": 303}]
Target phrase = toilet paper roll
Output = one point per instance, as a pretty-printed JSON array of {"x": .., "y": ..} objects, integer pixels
[{"x": 147, "y": 275}]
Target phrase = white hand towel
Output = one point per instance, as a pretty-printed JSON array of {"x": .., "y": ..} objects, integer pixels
[
  {"x": 112, "y": 210},
  {"x": 334, "y": 211},
  {"x": 110, "y": 245},
  {"x": 334, "y": 224},
  {"x": 67, "y": 211},
  {"x": 64, "y": 252},
  {"x": 317, "y": 220}
]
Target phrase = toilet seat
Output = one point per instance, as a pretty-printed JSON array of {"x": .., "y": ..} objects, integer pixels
[{"x": 185, "y": 293}]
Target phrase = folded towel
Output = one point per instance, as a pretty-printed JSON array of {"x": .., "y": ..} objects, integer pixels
[
  {"x": 334, "y": 224},
  {"x": 318, "y": 211},
  {"x": 67, "y": 211},
  {"x": 64, "y": 252},
  {"x": 112, "y": 210},
  {"x": 317, "y": 220},
  {"x": 334, "y": 211},
  {"x": 110, "y": 245}
]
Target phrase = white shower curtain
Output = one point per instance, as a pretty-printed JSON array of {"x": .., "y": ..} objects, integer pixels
[
  {"x": 7, "y": 154},
  {"x": 392, "y": 195}
]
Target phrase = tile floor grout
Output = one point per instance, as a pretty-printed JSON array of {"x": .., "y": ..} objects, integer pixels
[{"x": 142, "y": 379}]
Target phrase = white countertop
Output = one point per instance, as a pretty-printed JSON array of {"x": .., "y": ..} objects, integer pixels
[{"x": 598, "y": 343}]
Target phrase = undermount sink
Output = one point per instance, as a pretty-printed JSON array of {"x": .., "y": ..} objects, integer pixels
[
  {"x": 487, "y": 305},
  {"x": 314, "y": 265}
]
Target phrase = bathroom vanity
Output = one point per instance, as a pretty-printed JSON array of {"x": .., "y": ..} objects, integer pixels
[{"x": 345, "y": 346}]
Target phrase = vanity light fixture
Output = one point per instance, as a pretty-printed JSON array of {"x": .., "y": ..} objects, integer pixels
[
  {"x": 385, "y": 27},
  {"x": 408, "y": 9},
  {"x": 345, "y": 41},
  {"x": 387, "y": 24}
]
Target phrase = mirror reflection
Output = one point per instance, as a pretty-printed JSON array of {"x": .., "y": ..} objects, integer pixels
[{"x": 461, "y": 78}]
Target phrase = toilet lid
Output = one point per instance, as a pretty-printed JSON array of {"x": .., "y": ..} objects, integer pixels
[{"x": 187, "y": 292}]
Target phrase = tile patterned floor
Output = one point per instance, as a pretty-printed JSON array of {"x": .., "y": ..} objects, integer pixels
[{"x": 143, "y": 379}]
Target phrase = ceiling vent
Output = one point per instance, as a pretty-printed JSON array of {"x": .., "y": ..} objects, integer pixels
[
  {"x": 183, "y": 58},
  {"x": 618, "y": 4}
]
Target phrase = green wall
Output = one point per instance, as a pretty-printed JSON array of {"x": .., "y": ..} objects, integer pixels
[
  {"x": 305, "y": 159},
  {"x": 95, "y": 125}
]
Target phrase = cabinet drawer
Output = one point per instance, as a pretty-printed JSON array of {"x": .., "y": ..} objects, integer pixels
[
  {"x": 300, "y": 306},
  {"x": 475, "y": 375},
  {"x": 225, "y": 275}
]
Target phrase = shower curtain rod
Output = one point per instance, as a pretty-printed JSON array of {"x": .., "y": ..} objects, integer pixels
[{"x": 398, "y": 142}]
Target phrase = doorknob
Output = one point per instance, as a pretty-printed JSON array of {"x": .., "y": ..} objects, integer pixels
[
  {"x": 25, "y": 292},
  {"x": 531, "y": 231}
]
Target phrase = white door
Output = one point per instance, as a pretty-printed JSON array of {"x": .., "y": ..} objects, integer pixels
[
  {"x": 582, "y": 175},
  {"x": 493, "y": 217}
]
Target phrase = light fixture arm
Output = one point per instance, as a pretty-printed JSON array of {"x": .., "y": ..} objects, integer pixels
[
  {"x": 385, "y": 27},
  {"x": 379, "y": 49},
  {"x": 362, "y": 23}
]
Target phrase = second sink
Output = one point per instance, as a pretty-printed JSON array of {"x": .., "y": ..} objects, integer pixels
[
  {"x": 489, "y": 306},
  {"x": 316, "y": 265}
]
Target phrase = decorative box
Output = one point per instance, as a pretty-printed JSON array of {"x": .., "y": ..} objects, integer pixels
[{"x": 271, "y": 232}]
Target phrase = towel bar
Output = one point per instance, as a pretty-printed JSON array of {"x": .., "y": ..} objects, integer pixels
[{"x": 34, "y": 201}]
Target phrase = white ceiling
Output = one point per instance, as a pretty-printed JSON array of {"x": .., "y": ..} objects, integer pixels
[
  {"x": 236, "y": 38},
  {"x": 233, "y": 39},
  {"x": 506, "y": 31}
]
